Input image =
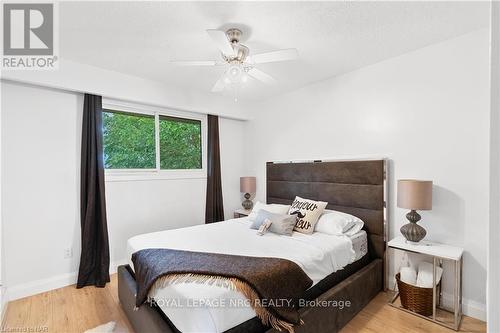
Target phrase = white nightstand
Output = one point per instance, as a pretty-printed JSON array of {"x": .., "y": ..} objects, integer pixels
[
  {"x": 438, "y": 252},
  {"x": 241, "y": 213}
]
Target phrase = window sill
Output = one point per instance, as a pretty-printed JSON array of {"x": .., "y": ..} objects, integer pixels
[{"x": 128, "y": 176}]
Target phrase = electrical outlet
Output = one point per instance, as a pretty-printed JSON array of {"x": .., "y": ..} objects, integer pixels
[{"x": 68, "y": 253}]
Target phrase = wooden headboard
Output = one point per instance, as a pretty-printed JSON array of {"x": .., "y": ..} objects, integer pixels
[{"x": 356, "y": 187}]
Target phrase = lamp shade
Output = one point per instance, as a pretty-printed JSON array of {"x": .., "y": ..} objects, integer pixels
[
  {"x": 415, "y": 194},
  {"x": 247, "y": 184}
]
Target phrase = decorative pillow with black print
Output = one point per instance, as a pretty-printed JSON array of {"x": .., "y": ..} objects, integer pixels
[{"x": 307, "y": 212}]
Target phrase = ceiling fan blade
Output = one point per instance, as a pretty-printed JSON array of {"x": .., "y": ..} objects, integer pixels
[
  {"x": 274, "y": 56},
  {"x": 194, "y": 63},
  {"x": 218, "y": 86},
  {"x": 261, "y": 76},
  {"x": 220, "y": 39}
]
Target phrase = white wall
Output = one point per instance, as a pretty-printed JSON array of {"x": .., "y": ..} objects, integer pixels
[
  {"x": 232, "y": 145},
  {"x": 428, "y": 111},
  {"x": 494, "y": 222},
  {"x": 40, "y": 183},
  {"x": 41, "y": 131}
]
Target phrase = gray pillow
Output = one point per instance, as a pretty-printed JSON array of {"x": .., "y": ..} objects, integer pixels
[
  {"x": 260, "y": 218},
  {"x": 281, "y": 224}
]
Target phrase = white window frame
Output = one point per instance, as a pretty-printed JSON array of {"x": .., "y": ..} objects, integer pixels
[{"x": 113, "y": 175}]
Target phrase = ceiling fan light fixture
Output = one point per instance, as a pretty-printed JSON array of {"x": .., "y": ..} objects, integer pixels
[
  {"x": 234, "y": 73},
  {"x": 244, "y": 77},
  {"x": 239, "y": 65}
]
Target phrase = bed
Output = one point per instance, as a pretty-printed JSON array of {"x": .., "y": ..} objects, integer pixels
[{"x": 341, "y": 268}]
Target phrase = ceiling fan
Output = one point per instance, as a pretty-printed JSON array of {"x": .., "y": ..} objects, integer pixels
[{"x": 236, "y": 57}]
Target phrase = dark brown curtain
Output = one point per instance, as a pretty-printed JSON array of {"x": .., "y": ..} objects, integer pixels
[
  {"x": 214, "y": 211},
  {"x": 94, "y": 260}
]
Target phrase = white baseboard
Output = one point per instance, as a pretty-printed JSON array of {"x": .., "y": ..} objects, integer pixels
[
  {"x": 470, "y": 308},
  {"x": 40, "y": 286},
  {"x": 55, "y": 282}
]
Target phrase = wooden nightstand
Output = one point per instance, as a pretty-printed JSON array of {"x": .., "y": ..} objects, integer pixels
[
  {"x": 241, "y": 213},
  {"x": 438, "y": 252}
]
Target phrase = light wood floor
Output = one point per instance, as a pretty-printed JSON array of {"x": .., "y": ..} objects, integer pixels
[{"x": 69, "y": 310}]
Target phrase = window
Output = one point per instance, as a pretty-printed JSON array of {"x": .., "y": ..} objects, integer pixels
[
  {"x": 128, "y": 140},
  {"x": 180, "y": 143},
  {"x": 151, "y": 142}
]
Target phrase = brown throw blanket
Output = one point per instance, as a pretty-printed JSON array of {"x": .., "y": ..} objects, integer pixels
[{"x": 272, "y": 285}]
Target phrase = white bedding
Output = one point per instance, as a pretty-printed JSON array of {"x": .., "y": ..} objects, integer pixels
[{"x": 207, "y": 308}]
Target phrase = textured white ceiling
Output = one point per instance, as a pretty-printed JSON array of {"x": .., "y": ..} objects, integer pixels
[{"x": 140, "y": 38}]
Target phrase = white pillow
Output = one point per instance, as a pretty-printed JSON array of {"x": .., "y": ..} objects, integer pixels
[
  {"x": 408, "y": 275},
  {"x": 425, "y": 273},
  {"x": 272, "y": 208},
  {"x": 308, "y": 213},
  {"x": 333, "y": 222}
]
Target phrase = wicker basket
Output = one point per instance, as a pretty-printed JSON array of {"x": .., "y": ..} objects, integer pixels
[{"x": 415, "y": 298}]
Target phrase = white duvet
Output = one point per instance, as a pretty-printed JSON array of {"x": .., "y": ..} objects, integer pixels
[{"x": 207, "y": 308}]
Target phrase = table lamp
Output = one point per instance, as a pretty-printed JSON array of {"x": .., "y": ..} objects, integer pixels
[
  {"x": 414, "y": 195},
  {"x": 247, "y": 186}
]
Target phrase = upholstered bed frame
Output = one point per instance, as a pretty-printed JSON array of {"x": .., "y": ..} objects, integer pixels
[{"x": 357, "y": 187}]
